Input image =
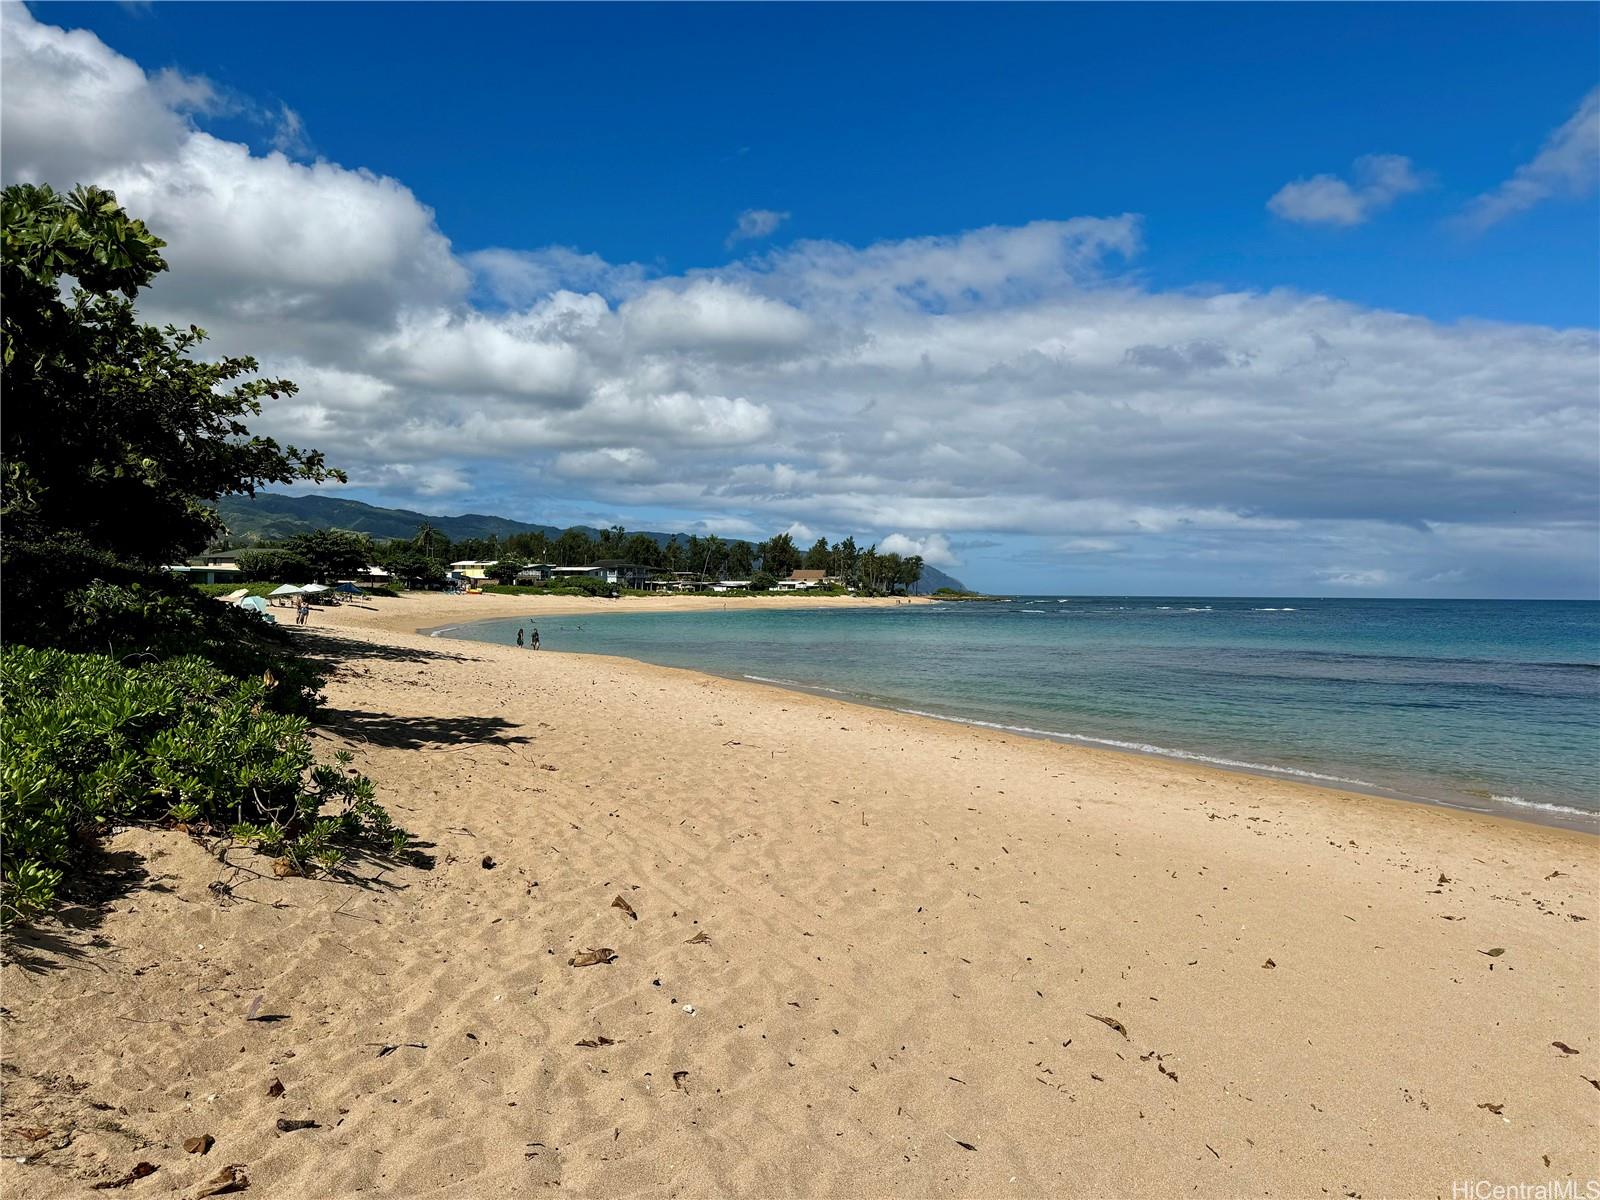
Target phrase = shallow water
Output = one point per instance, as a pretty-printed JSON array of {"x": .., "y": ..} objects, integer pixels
[{"x": 1487, "y": 704}]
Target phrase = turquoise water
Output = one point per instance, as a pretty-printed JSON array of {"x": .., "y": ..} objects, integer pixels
[{"x": 1486, "y": 704}]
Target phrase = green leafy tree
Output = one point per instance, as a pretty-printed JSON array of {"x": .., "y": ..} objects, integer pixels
[
  {"x": 819, "y": 557},
  {"x": 410, "y": 566},
  {"x": 574, "y": 548},
  {"x": 763, "y": 581},
  {"x": 331, "y": 553},
  {"x": 280, "y": 566},
  {"x": 779, "y": 557},
  {"x": 117, "y": 435}
]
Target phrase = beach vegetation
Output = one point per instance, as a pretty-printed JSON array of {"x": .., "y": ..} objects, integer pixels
[
  {"x": 125, "y": 693},
  {"x": 89, "y": 743}
]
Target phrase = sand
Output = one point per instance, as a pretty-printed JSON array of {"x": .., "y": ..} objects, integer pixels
[{"x": 870, "y": 958}]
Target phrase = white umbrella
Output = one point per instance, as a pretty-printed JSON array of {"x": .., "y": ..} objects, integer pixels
[
  {"x": 313, "y": 587},
  {"x": 287, "y": 589},
  {"x": 235, "y": 597}
]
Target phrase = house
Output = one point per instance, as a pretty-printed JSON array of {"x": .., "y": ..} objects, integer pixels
[
  {"x": 472, "y": 571},
  {"x": 613, "y": 570},
  {"x": 803, "y": 581},
  {"x": 217, "y": 572},
  {"x": 731, "y": 585},
  {"x": 535, "y": 572},
  {"x": 681, "y": 581}
]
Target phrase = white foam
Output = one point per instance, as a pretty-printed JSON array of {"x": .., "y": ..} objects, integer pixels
[
  {"x": 1040, "y": 611},
  {"x": 810, "y": 687},
  {"x": 1274, "y": 610},
  {"x": 1143, "y": 748},
  {"x": 1539, "y": 806}
]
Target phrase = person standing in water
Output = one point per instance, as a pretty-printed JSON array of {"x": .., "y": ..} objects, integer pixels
[
  {"x": 535, "y": 640},
  {"x": 519, "y": 637}
]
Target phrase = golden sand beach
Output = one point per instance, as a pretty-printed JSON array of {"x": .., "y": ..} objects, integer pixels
[{"x": 845, "y": 952}]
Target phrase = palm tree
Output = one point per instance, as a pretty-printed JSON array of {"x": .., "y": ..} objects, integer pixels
[{"x": 427, "y": 539}]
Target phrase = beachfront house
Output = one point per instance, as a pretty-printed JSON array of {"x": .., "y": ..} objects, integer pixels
[
  {"x": 473, "y": 572},
  {"x": 202, "y": 571},
  {"x": 681, "y": 581},
  {"x": 731, "y": 585},
  {"x": 803, "y": 581},
  {"x": 612, "y": 570},
  {"x": 531, "y": 573}
]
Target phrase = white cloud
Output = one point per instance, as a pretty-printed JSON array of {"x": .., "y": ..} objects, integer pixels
[
  {"x": 933, "y": 549},
  {"x": 1380, "y": 179},
  {"x": 1356, "y": 577},
  {"x": 1000, "y": 381},
  {"x": 756, "y": 223},
  {"x": 1568, "y": 164},
  {"x": 289, "y": 133}
]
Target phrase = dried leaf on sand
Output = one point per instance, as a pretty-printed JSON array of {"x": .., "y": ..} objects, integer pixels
[
  {"x": 699, "y": 939},
  {"x": 1494, "y": 953},
  {"x": 199, "y": 1145},
  {"x": 1112, "y": 1022},
  {"x": 589, "y": 958},
  {"x": 619, "y": 902},
  {"x": 596, "y": 1042},
  {"x": 1496, "y": 1109}
]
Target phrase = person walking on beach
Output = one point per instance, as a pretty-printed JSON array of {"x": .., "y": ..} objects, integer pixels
[
  {"x": 519, "y": 637},
  {"x": 303, "y": 612},
  {"x": 535, "y": 640}
]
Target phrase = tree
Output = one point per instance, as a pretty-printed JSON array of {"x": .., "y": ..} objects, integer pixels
[
  {"x": 573, "y": 548},
  {"x": 738, "y": 560},
  {"x": 779, "y": 556},
  {"x": 331, "y": 553},
  {"x": 280, "y": 566},
  {"x": 505, "y": 571},
  {"x": 818, "y": 557},
  {"x": 763, "y": 581},
  {"x": 117, "y": 436},
  {"x": 430, "y": 542},
  {"x": 411, "y": 566}
]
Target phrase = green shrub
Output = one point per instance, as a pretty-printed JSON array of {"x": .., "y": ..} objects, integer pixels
[
  {"x": 561, "y": 585},
  {"x": 256, "y": 587},
  {"x": 87, "y": 743}
]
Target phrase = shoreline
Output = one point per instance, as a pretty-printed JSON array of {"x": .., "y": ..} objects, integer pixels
[
  {"x": 1564, "y": 817},
  {"x": 919, "y": 960}
]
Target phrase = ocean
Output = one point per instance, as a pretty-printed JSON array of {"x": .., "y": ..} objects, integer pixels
[{"x": 1490, "y": 705}]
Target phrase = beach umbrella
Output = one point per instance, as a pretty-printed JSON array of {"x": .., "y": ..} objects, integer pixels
[
  {"x": 313, "y": 588},
  {"x": 254, "y": 603},
  {"x": 287, "y": 589},
  {"x": 235, "y": 597},
  {"x": 349, "y": 589}
]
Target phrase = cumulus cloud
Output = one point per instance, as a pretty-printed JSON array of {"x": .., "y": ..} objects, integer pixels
[
  {"x": 933, "y": 549},
  {"x": 1005, "y": 383},
  {"x": 756, "y": 223},
  {"x": 1567, "y": 165},
  {"x": 1380, "y": 179}
]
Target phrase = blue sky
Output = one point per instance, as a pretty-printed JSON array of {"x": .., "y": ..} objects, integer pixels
[{"x": 634, "y": 137}]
